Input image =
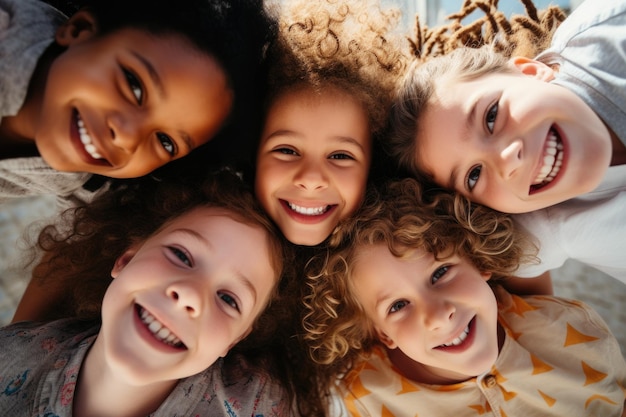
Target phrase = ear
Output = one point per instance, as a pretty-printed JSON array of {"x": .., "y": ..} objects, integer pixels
[
  {"x": 486, "y": 275},
  {"x": 122, "y": 261},
  {"x": 533, "y": 68},
  {"x": 80, "y": 27},
  {"x": 386, "y": 340}
]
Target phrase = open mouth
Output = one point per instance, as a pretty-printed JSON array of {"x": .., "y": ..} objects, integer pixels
[
  {"x": 86, "y": 139},
  {"x": 158, "y": 330},
  {"x": 309, "y": 211},
  {"x": 552, "y": 161},
  {"x": 459, "y": 339}
]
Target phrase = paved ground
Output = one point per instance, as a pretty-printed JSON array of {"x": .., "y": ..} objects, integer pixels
[{"x": 574, "y": 280}]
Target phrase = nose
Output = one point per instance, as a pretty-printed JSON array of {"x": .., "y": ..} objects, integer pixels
[
  {"x": 186, "y": 297},
  {"x": 437, "y": 313},
  {"x": 510, "y": 158},
  {"x": 311, "y": 176},
  {"x": 125, "y": 130}
]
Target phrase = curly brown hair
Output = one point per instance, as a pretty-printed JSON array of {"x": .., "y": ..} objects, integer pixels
[
  {"x": 348, "y": 45},
  {"x": 80, "y": 250},
  {"x": 405, "y": 217},
  {"x": 462, "y": 52}
]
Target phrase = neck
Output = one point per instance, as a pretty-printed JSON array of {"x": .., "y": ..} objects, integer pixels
[
  {"x": 619, "y": 150},
  {"x": 17, "y": 132},
  {"x": 101, "y": 392}
]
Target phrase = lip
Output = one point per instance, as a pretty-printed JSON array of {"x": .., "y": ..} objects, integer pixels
[
  {"x": 467, "y": 342},
  {"x": 535, "y": 189},
  {"x": 308, "y": 219},
  {"x": 78, "y": 144},
  {"x": 149, "y": 337}
]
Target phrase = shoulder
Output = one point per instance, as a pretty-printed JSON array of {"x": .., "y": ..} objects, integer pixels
[
  {"x": 590, "y": 20},
  {"x": 549, "y": 317}
]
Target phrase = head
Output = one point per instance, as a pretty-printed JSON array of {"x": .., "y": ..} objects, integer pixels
[
  {"x": 332, "y": 72},
  {"x": 129, "y": 91},
  {"x": 410, "y": 272},
  {"x": 498, "y": 131},
  {"x": 209, "y": 222},
  {"x": 183, "y": 297}
]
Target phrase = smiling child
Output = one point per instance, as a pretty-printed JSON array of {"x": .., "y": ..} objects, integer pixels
[
  {"x": 161, "y": 298},
  {"x": 407, "y": 312}
]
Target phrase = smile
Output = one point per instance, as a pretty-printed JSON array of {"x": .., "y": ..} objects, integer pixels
[
  {"x": 552, "y": 161},
  {"x": 86, "y": 139},
  {"x": 159, "y": 331},
  {"x": 459, "y": 339},
  {"x": 308, "y": 211}
]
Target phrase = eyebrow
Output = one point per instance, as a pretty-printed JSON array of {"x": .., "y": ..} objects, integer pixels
[
  {"x": 238, "y": 275},
  {"x": 471, "y": 116},
  {"x": 154, "y": 75},
  {"x": 287, "y": 132},
  {"x": 156, "y": 80}
]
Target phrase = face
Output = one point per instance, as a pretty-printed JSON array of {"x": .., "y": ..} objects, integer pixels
[
  {"x": 126, "y": 103},
  {"x": 513, "y": 141},
  {"x": 312, "y": 163},
  {"x": 185, "y": 296},
  {"x": 441, "y": 315}
]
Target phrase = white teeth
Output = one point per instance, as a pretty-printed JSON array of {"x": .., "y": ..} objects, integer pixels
[
  {"x": 161, "y": 332},
  {"x": 552, "y": 160},
  {"x": 458, "y": 340},
  {"x": 308, "y": 211},
  {"x": 86, "y": 139}
]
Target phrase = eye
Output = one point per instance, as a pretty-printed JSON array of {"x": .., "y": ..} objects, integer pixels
[
  {"x": 341, "y": 155},
  {"x": 285, "y": 151},
  {"x": 167, "y": 143},
  {"x": 181, "y": 255},
  {"x": 438, "y": 274},
  {"x": 490, "y": 117},
  {"x": 472, "y": 177},
  {"x": 397, "y": 306},
  {"x": 228, "y": 299},
  {"x": 134, "y": 84}
]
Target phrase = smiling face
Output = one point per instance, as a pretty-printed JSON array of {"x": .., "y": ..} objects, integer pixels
[
  {"x": 312, "y": 163},
  {"x": 512, "y": 141},
  {"x": 128, "y": 102},
  {"x": 440, "y": 315},
  {"x": 184, "y": 297}
]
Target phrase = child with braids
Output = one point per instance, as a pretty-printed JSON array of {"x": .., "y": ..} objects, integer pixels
[
  {"x": 333, "y": 71},
  {"x": 193, "y": 265},
  {"x": 406, "y": 309},
  {"x": 542, "y": 137}
]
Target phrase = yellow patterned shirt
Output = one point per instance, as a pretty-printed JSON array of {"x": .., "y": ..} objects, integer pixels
[{"x": 558, "y": 359}]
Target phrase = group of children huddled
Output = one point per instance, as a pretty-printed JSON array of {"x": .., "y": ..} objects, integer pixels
[{"x": 292, "y": 209}]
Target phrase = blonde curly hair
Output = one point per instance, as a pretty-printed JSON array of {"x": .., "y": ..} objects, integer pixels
[
  {"x": 349, "y": 45},
  {"x": 405, "y": 217},
  {"x": 462, "y": 52}
]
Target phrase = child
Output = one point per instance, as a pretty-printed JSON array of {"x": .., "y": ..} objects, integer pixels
[
  {"x": 181, "y": 295},
  {"x": 523, "y": 135},
  {"x": 404, "y": 310},
  {"x": 332, "y": 73},
  {"x": 118, "y": 91}
]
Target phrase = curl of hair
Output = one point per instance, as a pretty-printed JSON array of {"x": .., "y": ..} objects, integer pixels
[
  {"x": 461, "y": 52},
  {"x": 405, "y": 218},
  {"x": 81, "y": 249},
  {"x": 350, "y": 45}
]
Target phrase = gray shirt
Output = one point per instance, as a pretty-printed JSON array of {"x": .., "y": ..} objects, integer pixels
[{"x": 40, "y": 364}]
